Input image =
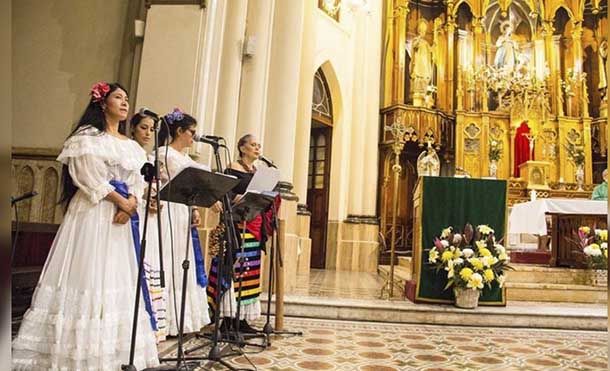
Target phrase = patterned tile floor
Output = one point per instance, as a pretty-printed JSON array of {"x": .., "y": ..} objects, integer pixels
[{"x": 345, "y": 345}]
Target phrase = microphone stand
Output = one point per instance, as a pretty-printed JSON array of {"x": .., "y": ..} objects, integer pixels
[
  {"x": 215, "y": 353},
  {"x": 150, "y": 173}
]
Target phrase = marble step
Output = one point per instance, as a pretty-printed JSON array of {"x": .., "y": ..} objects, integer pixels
[
  {"x": 549, "y": 292},
  {"x": 401, "y": 275},
  {"x": 529, "y": 273},
  {"x": 568, "y": 316}
]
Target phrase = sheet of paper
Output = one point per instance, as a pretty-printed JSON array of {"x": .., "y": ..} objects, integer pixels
[{"x": 264, "y": 180}]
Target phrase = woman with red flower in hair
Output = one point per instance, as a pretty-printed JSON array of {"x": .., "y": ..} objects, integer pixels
[{"x": 82, "y": 310}]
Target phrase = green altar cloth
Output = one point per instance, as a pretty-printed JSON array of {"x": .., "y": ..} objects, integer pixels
[{"x": 455, "y": 202}]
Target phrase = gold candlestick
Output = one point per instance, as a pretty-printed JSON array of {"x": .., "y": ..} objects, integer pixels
[{"x": 398, "y": 132}]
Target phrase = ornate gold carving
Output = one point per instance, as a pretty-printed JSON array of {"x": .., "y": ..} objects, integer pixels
[{"x": 472, "y": 130}]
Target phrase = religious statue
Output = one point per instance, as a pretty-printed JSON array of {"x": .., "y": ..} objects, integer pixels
[
  {"x": 507, "y": 48},
  {"x": 428, "y": 163},
  {"x": 421, "y": 64},
  {"x": 602, "y": 52}
]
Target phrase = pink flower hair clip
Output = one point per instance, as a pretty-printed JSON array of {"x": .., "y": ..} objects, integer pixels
[{"x": 99, "y": 91}]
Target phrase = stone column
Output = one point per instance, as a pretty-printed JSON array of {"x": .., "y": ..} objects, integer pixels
[
  {"x": 283, "y": 89},
  {"x": 256, "y": 69},
  {"x": 278, "y": 137},
  {"x": 225, "y": 121},
  {"x": 305, "y": 97}
]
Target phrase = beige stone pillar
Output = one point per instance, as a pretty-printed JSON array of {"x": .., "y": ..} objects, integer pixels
[
  {"x": 255, "y": 68},
  {"x": 303, "y": 130},
  {"x": 278, "y": 137},
  {"x": 225, "y": 120}
]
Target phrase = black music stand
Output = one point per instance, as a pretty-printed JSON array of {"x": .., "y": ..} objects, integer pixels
[
  {"x": 193, "y": 186},
  {"x": 249, "y": 206}
]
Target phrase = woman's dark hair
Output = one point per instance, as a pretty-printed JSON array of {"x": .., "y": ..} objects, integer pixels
[
  {"x": 92, "y": 117},
  {"x": 169, "y": 131},
  {"x": 135, "y": 121},
  {"x": 242, "y": 141}
]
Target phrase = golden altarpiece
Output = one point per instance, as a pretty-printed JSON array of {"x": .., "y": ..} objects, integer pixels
[{"x": 480, "y": 79}]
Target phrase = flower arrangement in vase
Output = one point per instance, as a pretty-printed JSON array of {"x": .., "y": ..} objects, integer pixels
[
  {"x": 495, "y": 153},
  {"x": 594, "y": 245},
  {"x": 472, "y": 259}
]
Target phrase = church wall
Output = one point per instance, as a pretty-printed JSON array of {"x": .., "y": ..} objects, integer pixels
[
  {"x": 346, "y": 52},
  {"x": 60, "y": 48}
]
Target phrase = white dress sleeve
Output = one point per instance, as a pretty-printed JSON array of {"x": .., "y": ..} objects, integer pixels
[{"x": 89, "y": 174}]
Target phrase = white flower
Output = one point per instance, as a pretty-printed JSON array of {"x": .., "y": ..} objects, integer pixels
[
  {"x": 588, "y": 250},
  {"x": 596, "y": 252},
  {"x": 501, "y": 279},
  {"x": 604, "y": 245},
  {"x": 598, "y": 232},
  {"x": 467, "y": 253},
  {"x": 458, "y": 261},
  {"x": 475, "y": 281},
  {"x": 433, "y": 255},
  {"x": 457, "y": 238},
  {"x": 444, "y": 243},
  {"x": 446, "y": 232},
  {"x": 486, "y": 260},
  {"x": 499, "y": 248}
]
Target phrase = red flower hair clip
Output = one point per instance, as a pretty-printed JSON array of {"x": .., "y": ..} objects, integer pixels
[{"x": 99, "y": 91}]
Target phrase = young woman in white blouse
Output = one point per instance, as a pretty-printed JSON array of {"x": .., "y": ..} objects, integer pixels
[
  {"x": 179, "y": 133},
  {"x": 142, "y": 131},
  {"x": 82, "y": 310}
]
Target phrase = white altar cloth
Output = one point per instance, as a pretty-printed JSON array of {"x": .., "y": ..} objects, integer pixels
[{"x": 529, "y": 217}]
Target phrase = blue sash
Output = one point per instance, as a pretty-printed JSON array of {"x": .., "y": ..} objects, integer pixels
[
  {"x": 122, "y": 189},
  {"x": 202, "y": 279}
]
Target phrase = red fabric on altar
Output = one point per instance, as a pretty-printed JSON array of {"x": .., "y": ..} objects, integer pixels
[{"x": 522, "y": 147}]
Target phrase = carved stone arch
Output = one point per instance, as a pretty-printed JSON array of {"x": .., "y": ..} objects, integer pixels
[
  {"x": 49, "y": 195},
  {"x": 25, "y": 183}
]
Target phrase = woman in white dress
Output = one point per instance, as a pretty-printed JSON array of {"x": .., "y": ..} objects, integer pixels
[
  {"x": 175, "y": 225},
  {"x": 142, "y": 131},
  {"x": 82, "y": 309}
]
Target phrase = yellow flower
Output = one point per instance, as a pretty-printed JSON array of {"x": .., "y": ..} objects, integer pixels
[
  {"x": 503, "y": 256},
  {"x": 475, "y": 281},
  {"x": 457, "y": 253},
  {"x": 466, "y": 273},
  {"x": 606, "y": 253},
  {"x": 594, "y": 246},
  {"x": 476, "y": 263},
  {"x": 447, "y": 255},
  {"x": 484, "y": 229},
  {"x": 432, "y": 256},
  {"x": 484, "y": 252},
  {"x": 585, "y": 229},
  {"x": 604, "y": 235},
  {"x": 480, "y": 244},
  {"x": 488, "y": 275}
]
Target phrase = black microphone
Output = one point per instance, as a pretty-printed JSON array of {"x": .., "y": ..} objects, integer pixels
[
  {"x": 209, "y": 139},
  {"x": 144, "y": 111},
  {"x": 267, "y": 161},
  {"x": 24, "y": 196}
]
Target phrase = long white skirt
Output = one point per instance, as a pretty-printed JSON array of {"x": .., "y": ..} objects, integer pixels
[
  {"x": 82, "y": 310},
  {"x": 196, "y": 309}
]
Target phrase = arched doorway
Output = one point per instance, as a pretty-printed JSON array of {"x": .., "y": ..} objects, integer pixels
[{"x": 318, "y": 176}]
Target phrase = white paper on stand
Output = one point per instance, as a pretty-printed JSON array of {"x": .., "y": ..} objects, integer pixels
[{"x": 264, "y": 180}]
